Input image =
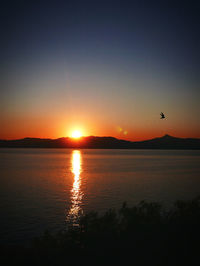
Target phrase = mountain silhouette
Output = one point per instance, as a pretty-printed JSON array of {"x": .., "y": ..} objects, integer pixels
[{"x": 93, "y": 142}]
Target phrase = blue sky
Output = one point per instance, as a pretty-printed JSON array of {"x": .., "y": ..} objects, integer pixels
[{"x": 99, "y": 66}]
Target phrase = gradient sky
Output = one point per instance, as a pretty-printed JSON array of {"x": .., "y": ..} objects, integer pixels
[{"x": 107, "y": 68}]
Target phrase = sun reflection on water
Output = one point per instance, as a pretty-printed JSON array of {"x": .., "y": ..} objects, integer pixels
[{"x": 76, "y": 193}]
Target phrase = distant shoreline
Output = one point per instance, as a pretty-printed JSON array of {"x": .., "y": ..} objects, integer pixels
[
  {"x": 165, "y": 142},
  {"x": 85, "y": 148}
]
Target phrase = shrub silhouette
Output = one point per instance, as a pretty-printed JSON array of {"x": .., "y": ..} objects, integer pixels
[{"x": 144, "y": 234}]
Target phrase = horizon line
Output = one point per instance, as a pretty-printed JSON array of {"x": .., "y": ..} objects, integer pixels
[{"x": 43, "y": 138}]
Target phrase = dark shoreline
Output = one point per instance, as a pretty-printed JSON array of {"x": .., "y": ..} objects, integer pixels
[
  {"x": 163, "y": 143},
  {"x": 82, "y": 148}
]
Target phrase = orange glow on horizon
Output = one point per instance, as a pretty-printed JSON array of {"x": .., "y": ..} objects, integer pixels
[{"x": 61, "y": 127}]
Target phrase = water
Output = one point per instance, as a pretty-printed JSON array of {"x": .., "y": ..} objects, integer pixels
[{"x": 46, "y": 188}]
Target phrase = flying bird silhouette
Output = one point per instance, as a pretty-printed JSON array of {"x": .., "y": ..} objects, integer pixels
[{"x": 162, "y": 115}]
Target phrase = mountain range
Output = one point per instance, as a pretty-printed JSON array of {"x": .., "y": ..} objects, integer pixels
[{"x": 93, "y": 142}]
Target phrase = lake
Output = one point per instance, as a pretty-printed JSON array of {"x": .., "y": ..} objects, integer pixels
[{"x": 47, "y": 188}]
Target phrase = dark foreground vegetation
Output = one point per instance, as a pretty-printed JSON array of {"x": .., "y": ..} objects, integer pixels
[{"x": 144, "y": 234}]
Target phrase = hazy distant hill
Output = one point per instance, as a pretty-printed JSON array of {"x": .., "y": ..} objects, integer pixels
[
  {"x": 165, "y": 142},
  {"x": 168, "y": 142}
]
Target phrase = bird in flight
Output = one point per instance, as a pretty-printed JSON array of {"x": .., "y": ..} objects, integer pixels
[{"x": 162, "y": 115}]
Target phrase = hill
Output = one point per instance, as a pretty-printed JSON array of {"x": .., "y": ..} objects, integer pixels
[
  {"x": 168, "y": 142},
  {"x": 92, "y": 142}
]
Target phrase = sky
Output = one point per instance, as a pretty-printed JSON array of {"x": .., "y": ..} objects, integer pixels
[{"x": 106, "y": 68}]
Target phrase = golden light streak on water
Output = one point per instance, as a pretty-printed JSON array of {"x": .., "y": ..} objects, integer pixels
[{"x": 76, "y": 193}]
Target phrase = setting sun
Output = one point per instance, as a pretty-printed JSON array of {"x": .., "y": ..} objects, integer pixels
[{"x": 76, "y": 134}]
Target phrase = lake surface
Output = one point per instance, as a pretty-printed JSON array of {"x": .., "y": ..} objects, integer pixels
[{"x": 46, "y": 188}]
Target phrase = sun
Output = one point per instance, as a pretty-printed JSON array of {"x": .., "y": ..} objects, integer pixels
[{"x": 76, "y": 134}]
